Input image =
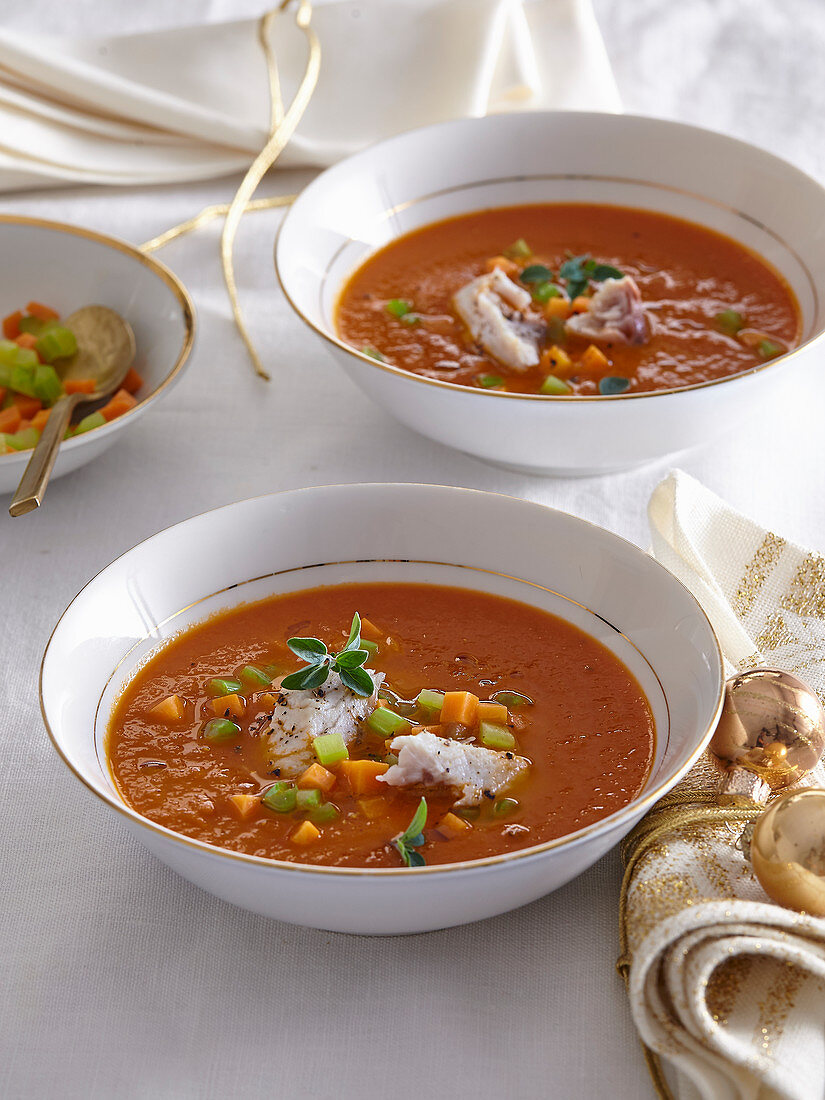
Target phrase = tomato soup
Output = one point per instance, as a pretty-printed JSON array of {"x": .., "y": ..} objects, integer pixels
[
  {"x": 568, "y": 299},
  {"x": 537, "y": 729}
]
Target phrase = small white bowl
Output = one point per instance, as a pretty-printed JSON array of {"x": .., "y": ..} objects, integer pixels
[
  {"x": 67, "y": 267},
  {"x": 424, "y": 533},
  {"x": 453, "y": 168}
]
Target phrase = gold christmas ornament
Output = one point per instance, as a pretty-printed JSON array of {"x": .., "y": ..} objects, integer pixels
[
  {"x": 787, "y": 850},
  {"x": 772, "y": 724}
]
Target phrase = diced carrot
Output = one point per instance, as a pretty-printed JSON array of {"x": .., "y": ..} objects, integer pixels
[
  {"x": 11, "y": 324},
  {"x": 245, "y": 804},
  {"x": 370, "y": 631},
  {"x": 362, "y": 775},
  {"x": 558, "y": 307},
  {"x": 436, "y": 729},
  {"x": 232, "y": 703},
  {"x": 24, "y": 425},
  {"x": 10, "y": 420},
  {"x": 373, "y": 808},
  {"x": 594, "y": 358},
  {"x": 556, "y": 360},
  {"x": 581, "y": 304},
  {"x": 170, "y": 709},
  {"x": 28, "y": 406},
  {"x": 121, "y": 403},
  {"x": 451, "y": 826},
  {"x": 306, "y": 833},
  {"x": 26, "y": 340},
  {"x": 459, "y": 706},
  {"x": 316, "y": 778},
  {"x": 133, "y": 381},
  {"x": 39, "y": 419},
  {"x": 509, "y": 267},
  {"x": 267, "y": 700},
  {"x": 79, "y": 385},
  {"x": 493, "y": 712},
  {"x": 41, "y": 312}
]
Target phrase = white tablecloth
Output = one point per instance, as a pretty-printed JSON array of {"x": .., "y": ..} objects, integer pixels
[{"x": 121, "y": 980}]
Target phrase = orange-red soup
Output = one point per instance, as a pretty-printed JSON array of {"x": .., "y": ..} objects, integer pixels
[
  {"x": 714, "y": 308},
  {"x": 588, "y": 733}
]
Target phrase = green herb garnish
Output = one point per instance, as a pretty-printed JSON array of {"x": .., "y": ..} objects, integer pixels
[
  {"x": 612, "y": 385},
  {"x": 544, "y": 292},
  {"x": 577, "y": 271},
  {"x": 412, "y": 837},
  {"x": 518, "y": 250},
  {"x": 536, "y": 273},
  {"x": 600, "y": 272},
  {"x": 320, "y": 662},
  {"x": 398, "y": 307}
]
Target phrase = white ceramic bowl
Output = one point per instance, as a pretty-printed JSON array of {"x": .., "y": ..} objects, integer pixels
[
  {"x": 68, "y": 267},
  {"x": 455, "y": 167},
  {"x": 341, "y": 533}
]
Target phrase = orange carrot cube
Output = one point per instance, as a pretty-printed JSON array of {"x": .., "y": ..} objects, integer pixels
[
  {"x": 460, "y": 707},
  {"x": 493, "y": 712},
  {"x": 26, "y": 340},
  {"x": 373, "y": 808},
  {"x": 133, "y": 381},
  {"x": 558, "y": 307},
  {"x": 10, "y": 419},
  {"x": 594, "y": 359},
  {"x": 316, "y": 778},
  {"x": 556, "y": 360},
  {"x": 306, "y": 833},
  {"x": 39, "y": 419},
  {"x": 509, "y": 267},
  {"x": 451, "y": 826},
  {"x": 581, "y": 304},
  {"x": 11, "y": 324},
  {"x": 28, "y": 406},
  {"x": 362, "y": 775},
  {"x": 41, "y": 312},
  {"x": 170, "y": 709},
  {"x": 79, "y": 385},
  {"x": 232, "y": 703},
  {"x": 121, "y": 403},
  {"x": 245, "y": 804},
  {"x": 370, "y": 631}
]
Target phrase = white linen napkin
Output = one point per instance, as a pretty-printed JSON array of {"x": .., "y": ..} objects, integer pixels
[
  {"x": 726, "y": 987},
  {"x": 193, "y": 102}
]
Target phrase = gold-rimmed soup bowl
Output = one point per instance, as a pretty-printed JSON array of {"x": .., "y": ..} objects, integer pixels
[
  {"x": 453, "y": 168},
  {"x": 335, "y": 534},
  {"x": 67, "y": 267}
]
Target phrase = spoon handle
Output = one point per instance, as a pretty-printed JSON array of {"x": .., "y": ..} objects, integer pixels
[{"x": 32, "y": 487}]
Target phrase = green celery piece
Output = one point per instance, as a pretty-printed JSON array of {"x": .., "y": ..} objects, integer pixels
[
  {"x": 25, "y": 440},
  {"x": 518, "y": 250},
  {"x": 494, "y": 736},
  {"x": 23, "y": 372},
  {"x": 398, "y": 307},
  {"x": 56, "y": 343},
  {"x": 544, "y": 292},
  {"x": 93, "y": 420},
  {"x": 322, "y": 815},
  {"x": 255, "y": 676},
  {"x": 511, "y": 699},
  {"x": 769, "y": 350},
  {"x": 308, "y": 800},
  {"x": 8, "y": 353},
  {"x": 47, "y": 384},
  {"x": 505, "y": 806},
  {"x": 390, "y": 759},
  {"x": 729, "y": 321},
  {"x": 32, "y": 325},
  {"x": 3, "y": 442},
  {"x": 555, "y": 386},
  {"x": 370, "y": 647},
  {"x": 219, "y": 686},
  {"x": 218, "y": 730},
  {"x": 490, "y": 381},
  {"x": 330, "y": 749},
  {"x": 281, "y": 798},
  {"x": 430, "y": 700},
  {"x": 383, "y": 722}
]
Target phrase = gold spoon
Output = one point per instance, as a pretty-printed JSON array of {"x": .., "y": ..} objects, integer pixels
[{"x": 105, "y": 350}]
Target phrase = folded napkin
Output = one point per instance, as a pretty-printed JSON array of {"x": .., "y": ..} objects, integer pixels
[
  {"x": 194, "y": 102},
  {"x": 727, "y": 988}
]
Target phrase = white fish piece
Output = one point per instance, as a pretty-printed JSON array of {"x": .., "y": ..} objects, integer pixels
[
  {"x": 301, "y": 715},
  {"x": 616, "y": 314},
  {"x": 431, "y": 761},
  {"x": 492, "y": 308}
]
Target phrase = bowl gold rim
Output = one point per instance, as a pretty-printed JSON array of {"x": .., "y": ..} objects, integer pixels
[
  {"x": 164, "y": 274},
  {"x": 631, "y": 810},
  {"x": 580, "y": 399}
]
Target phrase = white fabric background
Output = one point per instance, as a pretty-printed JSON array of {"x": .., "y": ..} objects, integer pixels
[{"x": 118, "y": 978}]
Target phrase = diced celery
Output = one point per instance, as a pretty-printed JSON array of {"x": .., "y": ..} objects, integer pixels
[
  {"x": 370, "y": 647},
  {"x": 281, "y": 797},
  {"x": 47, "y": 384},
  {"x": 382, "y": 721},
  {"x": 330, "y": 749},
  {"x": 490, "y": 381},
  {"x": 518, "y": 250},
  {"x": 220, "y": 686},
  {"x": 8, "y": 353},
  {"x": 32, "y": 325},
  {"x": 93, "y": 420},
  {"x": 769, "y": 350},
  {"x": 555, "y": 386},
  {"x": 56, "y": 343},
  {"x": 430, "y": 700},
  {"x": 469, "y": 813},
  {"x": 322, "y": 815},
  {"x": 23, "y": 372},
  {"x": 544, "y": 292},
  {"x": 25, "y": 440},
  {"x": 255, "y": 676},
  {"x": 391, "y": 759},
  {"x": 218, "y": 730},
  {"x": 505, "y": 806},
  {"x": 511, "y": 699},
  {"x": 729, "y": 321},
  {"x": 398, "y": 307},
  {"x": 308, "y": 800},
  {"x": 494, "y": 736}
]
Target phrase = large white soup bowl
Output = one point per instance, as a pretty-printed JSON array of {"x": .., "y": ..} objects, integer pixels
[
  {"x": 453, "y": 168},
  {"x": 67, "y": 267},
  {"x": 425, "y": 533}
]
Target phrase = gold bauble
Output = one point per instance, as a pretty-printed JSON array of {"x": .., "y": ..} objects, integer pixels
[
  {"x": 772, "y": 724},
  {"x": 787, "y": 850}
]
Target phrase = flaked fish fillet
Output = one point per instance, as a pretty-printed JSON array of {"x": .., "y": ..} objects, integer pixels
[
  {"x": 616, "y": 314},
  {"x": 299, "y": 716},
  {"x": 430, "y": 761},
  {"x": 491, "y": 307}
]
